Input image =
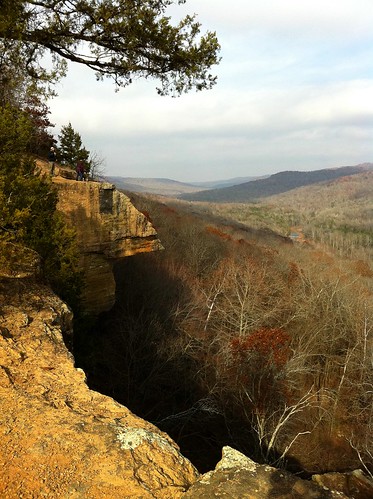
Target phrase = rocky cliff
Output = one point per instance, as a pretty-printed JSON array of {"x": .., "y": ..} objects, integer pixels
[
  {"x": 58, "y": 438},
  {"x": 108, "y": 227}
]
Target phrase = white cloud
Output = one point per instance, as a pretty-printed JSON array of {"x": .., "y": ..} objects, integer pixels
[
  {"x": 340, "y": 104},
  {"x": 306, "y": 17},
  {"x": 294, "y": 91}
]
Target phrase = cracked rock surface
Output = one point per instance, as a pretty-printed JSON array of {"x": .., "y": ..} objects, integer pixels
[{"x": 58, "y": 438}]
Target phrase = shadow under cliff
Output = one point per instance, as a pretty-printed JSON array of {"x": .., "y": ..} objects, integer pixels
[
  {"x": 125, "y": 355},
  {"x": 128, "y": 354}
]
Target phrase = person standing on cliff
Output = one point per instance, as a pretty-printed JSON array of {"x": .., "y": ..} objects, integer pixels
[
  {"x": 80, "y": 170},
  {"x": 52, "y": 160}
]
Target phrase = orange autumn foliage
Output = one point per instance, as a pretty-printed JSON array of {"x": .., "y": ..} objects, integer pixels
[
  {"x": 218, "y": 232},
  {"x": 271, "y": 344}
]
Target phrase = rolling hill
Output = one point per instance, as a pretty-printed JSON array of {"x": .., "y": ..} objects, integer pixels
[
  {"x": 168, "y": 187},
  {"x": 275, "y": 184},
  {"x": 162, "y": 186}
]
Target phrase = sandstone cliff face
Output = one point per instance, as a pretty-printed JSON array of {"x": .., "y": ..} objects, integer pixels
[
  {"x": 58, "y": 438},
  {"x": 108, "y": 227}
]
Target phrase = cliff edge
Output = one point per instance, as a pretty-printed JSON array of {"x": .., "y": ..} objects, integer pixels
[
  {"x": 108, "y": 227},
  {"x": 58, "y": 438}
]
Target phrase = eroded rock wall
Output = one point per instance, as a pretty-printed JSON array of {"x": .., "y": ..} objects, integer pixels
[{"x": 108, "y": 227}]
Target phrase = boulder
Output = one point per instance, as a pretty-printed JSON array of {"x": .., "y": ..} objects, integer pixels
[
  {"x": 238, "y": 477},
  {"x": 354, "y": 484}
]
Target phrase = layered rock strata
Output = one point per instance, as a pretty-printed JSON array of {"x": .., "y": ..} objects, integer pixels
[{"x": 108, "y": 227}]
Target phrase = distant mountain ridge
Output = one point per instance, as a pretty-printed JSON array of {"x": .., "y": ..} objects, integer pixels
[
  {"x": 218, "y": 184},
  {"x": 162, "y": 186},
  {"x": 275, "y": 184},
  {"x": 238, "y": 189},
  {"x": 168, "y": 187}
]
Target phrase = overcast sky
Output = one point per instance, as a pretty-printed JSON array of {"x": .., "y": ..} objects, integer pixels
[{"x": 294, "y": 92}]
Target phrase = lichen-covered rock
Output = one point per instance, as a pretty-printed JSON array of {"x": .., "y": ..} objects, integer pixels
[
  {"x": 238, "y": 477},
  {"x": 58, "y": 438}
]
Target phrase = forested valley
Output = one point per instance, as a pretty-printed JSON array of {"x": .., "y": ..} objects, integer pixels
[{"x": 236, "y": 334}]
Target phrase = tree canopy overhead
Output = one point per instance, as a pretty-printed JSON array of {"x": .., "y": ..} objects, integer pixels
[{"x": 118, "y": 39}]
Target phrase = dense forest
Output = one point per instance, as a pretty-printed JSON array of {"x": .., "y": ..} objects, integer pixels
[{"x": 235, "y": 334}]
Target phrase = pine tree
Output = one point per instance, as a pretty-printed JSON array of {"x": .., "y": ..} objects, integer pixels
[
  {"x": 118, "y": 39},
  {"x": 28, "y": 214},
  {"x": 71, "y": 148},
  {"x": 38, "y": 112}
]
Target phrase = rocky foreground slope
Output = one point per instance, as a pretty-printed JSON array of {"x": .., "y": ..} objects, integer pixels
[
  {"x": 58, "y": 438},
  {"x": 61, "y": 440}
]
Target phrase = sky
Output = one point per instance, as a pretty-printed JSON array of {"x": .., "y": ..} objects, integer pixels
[{"x": 294, "y": 92}]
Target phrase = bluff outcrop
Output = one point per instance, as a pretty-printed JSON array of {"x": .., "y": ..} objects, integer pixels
[
  {"x": 108, "y": 227},
  {"x": 58, "y": 438}
]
